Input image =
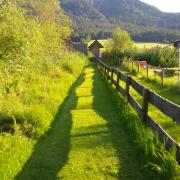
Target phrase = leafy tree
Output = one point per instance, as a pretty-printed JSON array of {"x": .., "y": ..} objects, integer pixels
[
  {"x": 32, "y": 34},
  {"x": 121, "y": 43}
]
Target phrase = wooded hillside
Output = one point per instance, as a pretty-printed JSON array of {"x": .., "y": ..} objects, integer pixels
[{"x": 97, "y": 18}]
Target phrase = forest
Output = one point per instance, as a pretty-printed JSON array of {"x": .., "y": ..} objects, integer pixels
[{"x": 96, "y": 19}]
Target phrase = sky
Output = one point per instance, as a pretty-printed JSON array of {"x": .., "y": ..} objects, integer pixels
[{"x": 165, "y": 5}]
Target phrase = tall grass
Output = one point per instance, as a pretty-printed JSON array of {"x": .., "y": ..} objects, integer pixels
[
  {"x": 32, "y": 104},
  {"x": 159, "y": 160},
  {"x": 27, "y": 111}
]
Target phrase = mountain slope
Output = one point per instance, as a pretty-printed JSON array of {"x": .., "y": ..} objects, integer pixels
[
  {"x": 137, "y": 12},
  {"x": 87, "y": 19},
  {"x": 97, "y": 18}
]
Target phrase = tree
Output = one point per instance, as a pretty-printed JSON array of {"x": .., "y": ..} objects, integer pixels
[{"x": 121, "y": 43}]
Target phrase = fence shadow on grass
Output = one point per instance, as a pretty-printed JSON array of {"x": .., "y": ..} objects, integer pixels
[
  {"x": 52, "y": 150},
  {"x": 131, "y": 162}
]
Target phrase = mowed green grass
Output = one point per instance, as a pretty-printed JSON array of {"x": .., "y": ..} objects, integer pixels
[
  {"x": 168, "y": 92},
  {"x": 87, "y": 139},
  {"x": 139, "y": 45},
  {"x": 146, "y": 45}
]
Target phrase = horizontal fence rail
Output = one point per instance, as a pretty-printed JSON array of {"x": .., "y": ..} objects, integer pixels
[{"x": 168, "y": 108}]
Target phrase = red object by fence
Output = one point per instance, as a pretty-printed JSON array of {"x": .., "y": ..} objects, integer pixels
[{"x": 143, "y": 64}]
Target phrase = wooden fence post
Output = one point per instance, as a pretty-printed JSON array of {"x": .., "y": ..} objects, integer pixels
[
  {"x": 108, "y": 69},
  {"x": 118, "y": 79},
  {"x": 178, "y": 154},
  {"x": 98, "y": 64},
  {"x": 147, "y": 71},
  {"x": 138, "y": 67},
  {"x": 112, "y": 75},
  {"x": 101, "y": 66},
  {"x": 132, "y": 66},
  {"x": 162, "y": 77},
  {"x": 145, "y": 104},
  {"x": 128, "y": 83}
]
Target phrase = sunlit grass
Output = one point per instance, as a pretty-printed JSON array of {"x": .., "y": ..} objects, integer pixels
[
  {"x": 147, "y": 45},
  {"x": 139, "y": 45},
  {"x": 88, "y": 139},
  {"x": 168, "y": 92},
  {"x": 27, "y": 113}
]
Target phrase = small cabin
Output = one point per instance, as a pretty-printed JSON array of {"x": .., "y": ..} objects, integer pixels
[
  {"x": 176, "y": 44},
  {"x": 95, "y": 48}
]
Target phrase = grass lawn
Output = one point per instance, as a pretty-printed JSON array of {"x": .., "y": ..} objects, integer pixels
[
  {"x": 142, "y": 45},
  {"x": 139, "y": 45},
  {"x": 87, "y": 139},
  {"x": 33, "y": 105}
]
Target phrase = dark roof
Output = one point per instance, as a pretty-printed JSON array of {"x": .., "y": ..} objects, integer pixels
[
  {"x": 96, "y": 42},
  {"x": 177, "y": 41}
]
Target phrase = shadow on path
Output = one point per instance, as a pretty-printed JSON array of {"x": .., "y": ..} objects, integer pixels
[
  {"x": 130, "y": 161},
  {"x": 52, "y": 150}
]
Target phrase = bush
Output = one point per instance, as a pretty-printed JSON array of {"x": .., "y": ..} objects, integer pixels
[
  {"x": 159, "y": 56},
  {"x": 121, "y": 44},
  {"x": 36, "y": 69},
  {"x": 169, "y": 72}
]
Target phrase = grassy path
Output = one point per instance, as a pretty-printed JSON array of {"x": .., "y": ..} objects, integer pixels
[{"x": 86, "y": 139}]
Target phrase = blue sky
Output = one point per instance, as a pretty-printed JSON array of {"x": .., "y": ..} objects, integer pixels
[{"x": 165, "y": 5}]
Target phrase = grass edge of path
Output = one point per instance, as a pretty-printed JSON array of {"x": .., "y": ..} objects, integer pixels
[{"x": 158, "y": 159}]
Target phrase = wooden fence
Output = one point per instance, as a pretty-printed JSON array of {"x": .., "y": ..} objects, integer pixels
[
  {"x": 161, "y": 72},
  {"x": 168, "y": 108}
]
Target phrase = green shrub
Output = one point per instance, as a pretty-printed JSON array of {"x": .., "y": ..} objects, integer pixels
[
  {"x": 159, "y": 56},
  {"x": 169, "y": 72},
  {"x": 36, "y": 69}
]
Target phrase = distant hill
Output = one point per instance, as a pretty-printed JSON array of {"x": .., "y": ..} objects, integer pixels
[{"x": 97, "y": 18}]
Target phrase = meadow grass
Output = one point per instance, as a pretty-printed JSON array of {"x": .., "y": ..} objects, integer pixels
[
  {"x": 170, "y": 92},
  {"x": 147, "y": 45},
  {"x": 146, "y": 141},
  {"x": 27, "y": 112},
  {"x": 139, "y": 45},
  {"x": 87, "y": 139},
  {"x": 93, "y": 134}
]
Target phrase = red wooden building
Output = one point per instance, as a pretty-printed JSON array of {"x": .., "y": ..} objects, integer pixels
[{"x": 95, "y": 48}]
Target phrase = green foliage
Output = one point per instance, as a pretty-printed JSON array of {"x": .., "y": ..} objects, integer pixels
[
  {"x": 33, "y": 80},
  {"x": 159, "y": 56},
  {"x": 33, "y": 63},
  {"x": 121, "y": 41},
  {"x": 120, "y": 46},
  {"x": 98, "y": 18}
]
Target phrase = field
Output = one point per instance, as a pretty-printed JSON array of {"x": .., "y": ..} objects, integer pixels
[
  {"x": 27, "y": 113},
  {"x": 148, "y": 45},
  {"x": 170, "y": 92},
  {"x": 139, "y": 45},
  {"x": 59, "y": 117}
]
